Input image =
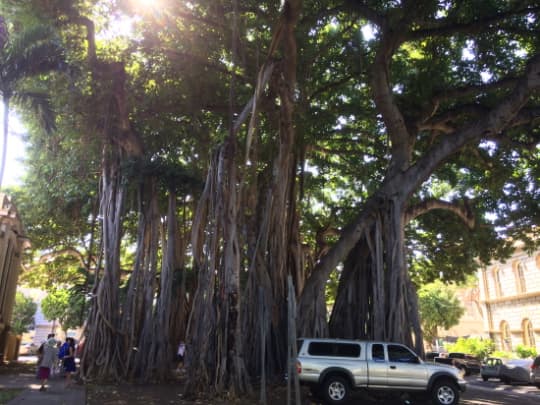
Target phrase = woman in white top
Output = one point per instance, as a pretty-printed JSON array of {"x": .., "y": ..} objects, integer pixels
[{"x": 50, "y": 353}]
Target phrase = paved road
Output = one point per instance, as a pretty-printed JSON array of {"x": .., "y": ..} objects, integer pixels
[
  {"x": 56, "y": 393},
  {"x": 478, "y": 392},
  {"x": 493, "y": 392}
]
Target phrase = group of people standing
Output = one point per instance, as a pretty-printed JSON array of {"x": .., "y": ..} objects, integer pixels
[{"x": 50, "y": 353}]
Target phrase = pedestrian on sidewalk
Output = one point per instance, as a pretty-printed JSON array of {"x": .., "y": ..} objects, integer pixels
[
  {"x": 69, "y": 360},
  {"x": 47, "y": 362}
]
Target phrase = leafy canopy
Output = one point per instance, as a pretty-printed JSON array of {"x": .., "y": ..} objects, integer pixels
[
  {"x": 439, "y": 308},
  {"x": 23, "y": 314}
]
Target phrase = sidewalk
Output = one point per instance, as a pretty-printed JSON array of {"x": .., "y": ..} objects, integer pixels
[{"x": 56, "y": 393}]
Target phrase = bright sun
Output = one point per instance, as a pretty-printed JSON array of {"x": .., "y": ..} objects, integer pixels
[{"x": 146, "y": 3}]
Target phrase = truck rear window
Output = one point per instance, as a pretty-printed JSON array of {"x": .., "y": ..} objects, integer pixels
[{"x": 334, "y": 349}]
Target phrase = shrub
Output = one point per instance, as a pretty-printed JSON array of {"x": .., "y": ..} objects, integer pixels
[
  {"x": 478, "y": 347},
  {"x": 503, "y": 355},
  {"x": 525, "y": 352}
]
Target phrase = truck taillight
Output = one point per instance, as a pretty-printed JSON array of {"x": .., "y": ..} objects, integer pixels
[{"x": 299, "y": 367}]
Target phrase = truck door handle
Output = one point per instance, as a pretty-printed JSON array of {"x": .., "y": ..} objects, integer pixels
[{"x": 393, "y": 367}]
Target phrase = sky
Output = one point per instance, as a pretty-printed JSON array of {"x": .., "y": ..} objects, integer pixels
[{"x": 16, "y": 151}]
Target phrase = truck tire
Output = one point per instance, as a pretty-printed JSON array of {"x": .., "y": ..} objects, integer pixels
[
  {"x": 445, "y": 392},
  {"x": 335, "y": 390}
]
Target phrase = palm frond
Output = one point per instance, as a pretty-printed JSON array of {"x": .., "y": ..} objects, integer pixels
[
  {"x": 30, "y": 53},
  {"x": 26, "y": 38},
  {"x": 40, "y": 104}
]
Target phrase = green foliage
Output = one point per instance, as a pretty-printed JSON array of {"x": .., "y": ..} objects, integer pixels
[
  {"x": 63, "y": 270},
  {"x": 503, "y": 355},
  {"x": 331, "y": 287},
  {"x": 525, "y": 352},
  {"x": 478, "y": 347},
  {"x": 439, "y": 308},
  {"x": 23, "y": 314},
  {"x": 65, "y": 306}
]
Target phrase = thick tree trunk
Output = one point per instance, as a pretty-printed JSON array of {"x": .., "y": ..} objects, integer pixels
[
  {"x": 102, "y": 357},
  {"x": 277, "y": 248},
  {"x": 161, "y": 353},
  {"x": 374, "y": 278},
  {"x": 214, "y": 349},
  {"x": 180, "y": 306},
  {"x": 144, "y": 290},
  {"x": 215, "y": 354},
  {"x": 376, "y": 299}
]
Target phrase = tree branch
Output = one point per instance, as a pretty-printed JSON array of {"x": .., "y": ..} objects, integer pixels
[
  {"x": 448, "y": 26},
  {"x": 64, "y": 252},
  {"x": 462, "y": 211},
  {"x": 499, "y": 118}
]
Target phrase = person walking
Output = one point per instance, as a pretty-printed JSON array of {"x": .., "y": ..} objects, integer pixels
[
  {"x": 180, "y": 355},
  {"x": 47, "y": 362},
  {"x": 69, "y": 360}
]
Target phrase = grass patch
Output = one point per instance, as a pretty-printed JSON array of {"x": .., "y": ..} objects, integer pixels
[{"x": 7, "y": 395}]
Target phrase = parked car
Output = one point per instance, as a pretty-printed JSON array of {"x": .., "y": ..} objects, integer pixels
[
  {"x": 535, "y": 372},
  {"x": 516, "y": 371},
  {"x": 334, "y": 367},
  {"x": 467, "y": 363},
  {"x": 28, "y": 349},
  {"x": 491, "y": 368}
]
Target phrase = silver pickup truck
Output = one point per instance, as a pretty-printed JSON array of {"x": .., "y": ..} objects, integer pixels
[{"x": 335, "y": 367}]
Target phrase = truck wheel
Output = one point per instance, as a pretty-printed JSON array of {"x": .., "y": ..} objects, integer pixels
[
  {"x": 445, "y": 392},
  {"x": 484, "y": 378},
  {"x": 335, "y": 390}
]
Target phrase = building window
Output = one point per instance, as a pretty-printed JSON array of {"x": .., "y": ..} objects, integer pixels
[
  {"x": 519, "y": 273},
  {"x": 506, "y": 338},
  {"x": 497, "y": 282},
  {"x": 528, "y": 333}
]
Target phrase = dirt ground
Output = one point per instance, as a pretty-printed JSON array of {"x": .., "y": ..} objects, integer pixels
[
  {"x": 157, "y": 394},
  {"x": 166, "y": 394},
  {"x": 172, "y": 393}
]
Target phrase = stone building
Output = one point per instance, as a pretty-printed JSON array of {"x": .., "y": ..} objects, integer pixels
[
  {"x": 510, "y": 297},
  {"x": 12, "y": 244},
  {"x": 471, "y": 323}
]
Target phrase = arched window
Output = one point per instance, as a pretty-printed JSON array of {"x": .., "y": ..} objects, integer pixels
[
  {"x": 528, "y": 333},
  {"x": 506, "y": 338},
  {"x": 519, "y": 273},
  {"x": 497, "y": 282}
]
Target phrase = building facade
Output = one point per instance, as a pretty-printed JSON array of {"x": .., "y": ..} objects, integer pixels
[
  {"x": 12, "y": 243},
  {"x": 510, "y": 297}
]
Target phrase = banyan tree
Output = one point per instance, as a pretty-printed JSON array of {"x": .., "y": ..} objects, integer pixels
[{"x": 360, "y": 142}]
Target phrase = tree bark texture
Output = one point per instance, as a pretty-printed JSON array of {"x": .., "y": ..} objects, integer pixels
[
  {"x": 102, "y": 357},
  {"x": 224, "y": 334}
]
